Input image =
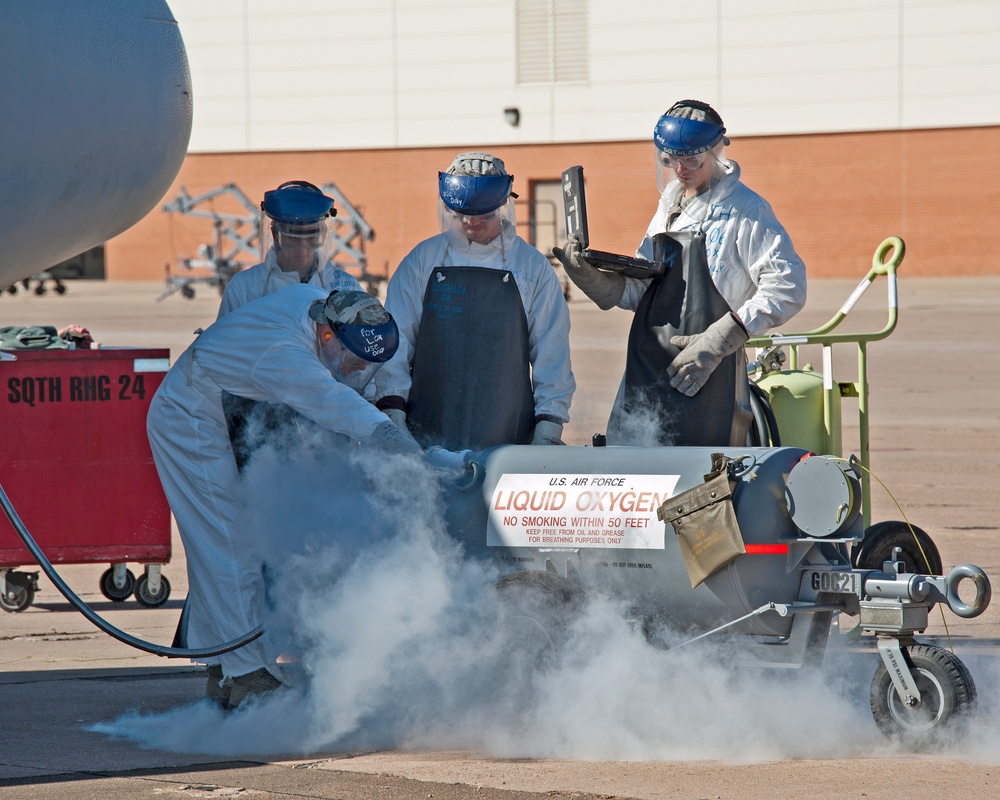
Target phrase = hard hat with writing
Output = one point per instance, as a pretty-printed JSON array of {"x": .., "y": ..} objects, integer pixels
[
  {"x": 475, "y": 184},
  {"x": 360, "y": 322},
  {"x": 689, "y": 127}
]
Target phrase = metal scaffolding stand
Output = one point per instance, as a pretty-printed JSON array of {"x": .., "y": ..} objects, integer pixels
[
  {"x": 236, "y": 244},
  {"x": 216, "y": 263}
]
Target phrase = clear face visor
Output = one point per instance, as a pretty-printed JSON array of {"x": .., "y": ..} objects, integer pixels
[
  {"x": 346, "y": 367},
  {"x": 297, "y": 246},
  {"x": 479, "y": 228},
  {"x": 475, "y": 206},
  {"x": 696, "y": 170}
]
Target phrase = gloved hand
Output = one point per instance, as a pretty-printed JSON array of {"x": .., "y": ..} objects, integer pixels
[
  {"x": 446, "y": 459},
  {"x": 391, "y": 439},
  {"x": 700, "y": 354},
  {"x": 398, "y": 418},
  {"x": 547, "y": 432},
  {"x": 604, "y": 288}
]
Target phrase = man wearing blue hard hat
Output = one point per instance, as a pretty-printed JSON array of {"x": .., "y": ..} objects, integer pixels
[
  {"x": 737, "y": 275},
  {"x": 294, "y": 246},
  {"x": 483, "y": 353},
  {"x": 295, "y": 249},
  {"x": 308, "y": 350}
]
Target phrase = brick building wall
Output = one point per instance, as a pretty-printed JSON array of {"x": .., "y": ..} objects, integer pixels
[{"x": 838, "y": 195}]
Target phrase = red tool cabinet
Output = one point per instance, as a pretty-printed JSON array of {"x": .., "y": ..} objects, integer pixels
[{"x": 76, "y": 465}]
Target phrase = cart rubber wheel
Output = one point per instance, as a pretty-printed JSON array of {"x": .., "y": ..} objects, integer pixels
[
  {"x": 947, "y": 698},
  {"x": 147, "y": 598},
  {"x": 539, "y": 607},
  {"x": 532, "y": 588},
  {"x": 112, "y": 592},
  {"x": 17, "y": 598},
  {"x": 880, "y": 538}
]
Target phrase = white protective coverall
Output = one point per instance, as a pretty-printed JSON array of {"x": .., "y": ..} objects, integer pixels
[
  {"x": 266, "y": 350},
  {"x": 750, "y": 255},
  {"x": 267, "y": 277},
  {"x": 541, "y": 293}
]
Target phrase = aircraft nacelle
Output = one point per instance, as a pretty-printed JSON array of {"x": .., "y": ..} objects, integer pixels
[{"x": 94, "y": 126}]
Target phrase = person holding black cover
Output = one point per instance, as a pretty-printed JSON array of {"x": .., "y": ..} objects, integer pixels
[{"x": 679, "y": 340}]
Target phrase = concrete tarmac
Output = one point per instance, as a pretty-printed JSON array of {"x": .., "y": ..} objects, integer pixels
[{"x": 935, "y": 427}]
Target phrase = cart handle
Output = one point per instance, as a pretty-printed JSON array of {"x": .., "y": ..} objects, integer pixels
[{"x": 822, "y": 335}]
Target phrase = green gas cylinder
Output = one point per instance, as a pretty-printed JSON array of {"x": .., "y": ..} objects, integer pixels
[{"x": 797, "y": 399}]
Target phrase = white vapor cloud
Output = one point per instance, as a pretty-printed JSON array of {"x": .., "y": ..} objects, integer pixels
[{"x": 404, "y": 644}]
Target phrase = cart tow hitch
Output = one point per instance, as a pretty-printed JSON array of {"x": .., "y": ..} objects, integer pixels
[
  {"x": 100, "y": 622},
  {"x": 897, "y": 605}
]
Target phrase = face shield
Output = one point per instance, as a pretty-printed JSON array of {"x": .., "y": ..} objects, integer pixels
[
  {"x": 689, "y": 171},
  {"x": 346, "y": 368},
  {"x": 362, "y": 336},
  {"x": 294, "y": 224},
  {"x": 297, "y": 247},
  {"x": 690, "y": 140},
  {"x": 475, "y": 206}
]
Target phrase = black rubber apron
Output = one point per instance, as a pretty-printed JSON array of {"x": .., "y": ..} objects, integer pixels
[
  {"x": 471, "y": 374},
  {"x": 254, "y": 423},
  {"x": 682, "y": 302}
]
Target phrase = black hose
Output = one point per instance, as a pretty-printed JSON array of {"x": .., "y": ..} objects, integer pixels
[
  {"x": 104, "y": 625},
  {"x": 763, "y": 409}
]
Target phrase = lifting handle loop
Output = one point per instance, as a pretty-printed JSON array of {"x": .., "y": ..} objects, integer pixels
[
  {"x": 882, "y": 267},
  {"x": 983, "y": 591}
]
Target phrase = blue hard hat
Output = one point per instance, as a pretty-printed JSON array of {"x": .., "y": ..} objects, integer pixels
[
  {"x": 360, "y": 322},
  {"x": 474, "y": 194},
  {"x": 375, "y": 343},
  {"x": 297, "y": 202},
  {"x": 679, "y": 133}
]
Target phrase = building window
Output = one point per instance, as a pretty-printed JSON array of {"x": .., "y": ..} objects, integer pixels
[{"x": 553, "y": 41}]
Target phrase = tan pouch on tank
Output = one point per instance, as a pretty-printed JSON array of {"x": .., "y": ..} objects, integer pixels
[{"x": 705, "y": 523}]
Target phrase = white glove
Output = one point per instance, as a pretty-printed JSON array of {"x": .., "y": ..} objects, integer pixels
[
  {"x": 547, "y": 433},
  {"x": 604, "y": 288},
  {"x": 398, "y": 418},
  {"x": 700, "y": 354},
  {"x": 446, "y": 459},
  {"x": 390, "y": 438}
]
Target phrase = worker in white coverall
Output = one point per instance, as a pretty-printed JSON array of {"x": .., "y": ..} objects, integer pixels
[
  {"x": 294, "y": 246},
  {"x": 303, "y": 347},
  {"x": 718, "y": 227},
  {"x": 295, "y": 249},
  {"x": 483, "y": 353}
]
